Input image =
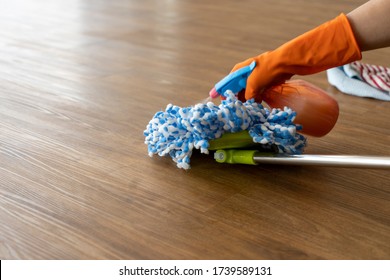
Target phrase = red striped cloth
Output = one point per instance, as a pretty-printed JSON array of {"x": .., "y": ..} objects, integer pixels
[{"x": 376, "y": 76}]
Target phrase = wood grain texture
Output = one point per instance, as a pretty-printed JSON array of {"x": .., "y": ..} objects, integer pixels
[{"x": 79, "y": 81}]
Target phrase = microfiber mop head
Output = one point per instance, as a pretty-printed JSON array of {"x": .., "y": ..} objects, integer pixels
[{"x": 177, "y": 131}]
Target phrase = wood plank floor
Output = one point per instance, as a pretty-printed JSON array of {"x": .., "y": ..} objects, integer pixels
[{"x": 79, "y": 81}]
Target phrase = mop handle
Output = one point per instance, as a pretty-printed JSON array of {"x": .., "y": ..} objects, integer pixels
[
  {"x": 256, "y": 157},
  {"x": 326, "y": 160}
]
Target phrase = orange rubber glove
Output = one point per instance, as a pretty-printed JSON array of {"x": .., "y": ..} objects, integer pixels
[{"x": 328, "y": 45}]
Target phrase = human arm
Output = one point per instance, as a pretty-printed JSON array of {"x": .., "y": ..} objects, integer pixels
[
  {"x": 371, "y": 24},
  {"x": 331, "y": 44}
]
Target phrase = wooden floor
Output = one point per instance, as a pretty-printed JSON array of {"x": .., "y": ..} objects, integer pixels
[{"x": 80, "y": 80}]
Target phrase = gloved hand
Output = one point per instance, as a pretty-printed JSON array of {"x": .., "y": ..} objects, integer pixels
[{"x": 326, "y": 46}]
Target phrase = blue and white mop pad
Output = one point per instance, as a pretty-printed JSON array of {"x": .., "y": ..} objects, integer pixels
[
  {"x": 176, "y": 131},
  {"x": 360, "y": 79}
]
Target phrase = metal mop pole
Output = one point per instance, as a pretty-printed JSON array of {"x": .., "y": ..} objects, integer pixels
[
  {"x": 256, "y": 157},
  {"x": 326, "y": 160}
]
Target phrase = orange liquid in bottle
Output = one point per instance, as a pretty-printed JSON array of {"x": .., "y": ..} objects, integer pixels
[{"x": 317, "y": 112}]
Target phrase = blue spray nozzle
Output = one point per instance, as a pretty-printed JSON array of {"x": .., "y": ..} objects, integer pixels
[{"x": 235, "y": 81}]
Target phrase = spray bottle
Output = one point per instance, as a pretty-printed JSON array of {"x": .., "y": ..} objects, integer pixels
[{"x": 317, "y": 111}]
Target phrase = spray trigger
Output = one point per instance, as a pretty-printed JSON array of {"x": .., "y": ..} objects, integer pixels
[{"x": 235, "y": 81}]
